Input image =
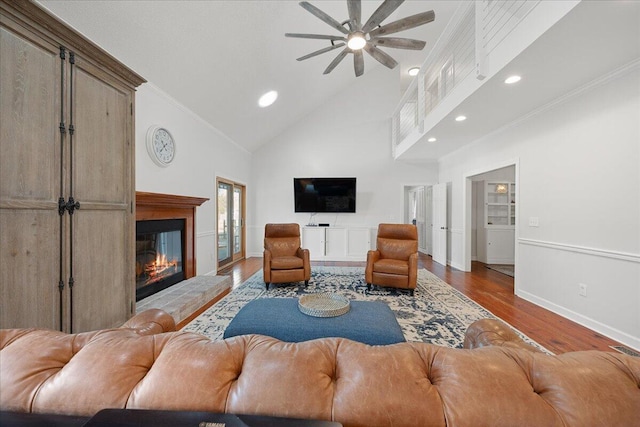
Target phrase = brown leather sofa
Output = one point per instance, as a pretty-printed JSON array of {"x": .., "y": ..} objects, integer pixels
[
  {"x": 284, "y": 261},
  {"x": 500, "y": 382},
  {"x": 394, "y": 263}
]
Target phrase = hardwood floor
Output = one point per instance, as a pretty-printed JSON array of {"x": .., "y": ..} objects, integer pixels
[{"x": 493, "y": 291}]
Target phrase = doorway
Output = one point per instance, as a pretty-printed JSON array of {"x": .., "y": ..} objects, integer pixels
[
  {"x": 230, "y": 228},
  {"x": 418, "y": 211},
  {"x": 491, "y": 205}
]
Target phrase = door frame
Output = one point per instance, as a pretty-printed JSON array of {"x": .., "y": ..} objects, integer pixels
[
  {"x": 467, "y": 210},
  {"x": 406, "y": 188},
  {"x": 243, "y": 233},
  {"x": 443, "y": 222}
]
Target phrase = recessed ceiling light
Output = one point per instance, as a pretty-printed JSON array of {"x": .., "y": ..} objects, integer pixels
[
  {"x": 512, "y": 79},
  {"x": 461, "y": 118},
  {"x": 432, "y": 139},
  {"x": 268, "y": 98},
  {"x": 414, "y": 71}
]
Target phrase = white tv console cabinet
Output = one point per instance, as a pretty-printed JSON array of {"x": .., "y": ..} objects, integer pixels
[{"x": 338, "y": 243}]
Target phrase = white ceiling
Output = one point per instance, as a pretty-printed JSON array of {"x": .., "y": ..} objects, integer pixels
[
  {"x": 595, "y": 38},
  {"x": 217, "y": 57}
]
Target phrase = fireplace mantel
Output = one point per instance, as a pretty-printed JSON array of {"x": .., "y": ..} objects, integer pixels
[{"x": 150, "y": 206}]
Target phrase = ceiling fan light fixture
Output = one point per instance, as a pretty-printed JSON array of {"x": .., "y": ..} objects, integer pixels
[
  {"x": 356, "y": 40},
  {"x": 414, "y": 71},
  {"x": 268, "y": 98},
  {"x": 366, "y": 35}
]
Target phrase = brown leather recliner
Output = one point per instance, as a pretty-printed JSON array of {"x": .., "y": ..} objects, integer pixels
[
  {"x": 284, "y": 260},
  {"x": 395, "y": 261}
]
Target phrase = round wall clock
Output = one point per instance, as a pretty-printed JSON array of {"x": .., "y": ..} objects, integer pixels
[{"x": 160, "y": 145}]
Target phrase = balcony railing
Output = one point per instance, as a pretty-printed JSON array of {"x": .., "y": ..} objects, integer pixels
[{"x": 461, "y": 53}]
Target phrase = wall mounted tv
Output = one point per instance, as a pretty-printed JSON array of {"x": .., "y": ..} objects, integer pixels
[{"x": 324, "y": 194}]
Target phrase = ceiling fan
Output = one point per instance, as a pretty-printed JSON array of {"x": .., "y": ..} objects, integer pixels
[{"x": 368, "y": 36}]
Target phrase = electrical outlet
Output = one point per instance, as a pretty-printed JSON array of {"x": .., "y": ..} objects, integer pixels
[
  {"x": 534, "y": 221},
  {"x": 582, "y": 289}
]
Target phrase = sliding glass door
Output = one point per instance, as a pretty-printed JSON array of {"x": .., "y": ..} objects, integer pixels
[{"x": 230, "y": 224}]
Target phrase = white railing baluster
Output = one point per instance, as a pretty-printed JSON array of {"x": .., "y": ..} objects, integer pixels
[{"x": 465, "y": 46}]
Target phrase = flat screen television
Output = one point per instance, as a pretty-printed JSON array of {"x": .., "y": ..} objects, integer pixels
[{"x": 324, "y": 194}]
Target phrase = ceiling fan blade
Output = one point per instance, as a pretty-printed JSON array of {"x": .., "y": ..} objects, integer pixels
[
  {"x": 321, "y": 51},
  {"x": 380, "y": 56},
  {"x": 337, "y": 60},
  {"x": 315, "y": 36},
  {"x": 385, "y": 9},
  {"x": 355, "y": 12},
  {"x": 323, "y": 16},
  {"x": 398, "y": 43},
  {"x": 404, "y": 23},
  {"x": 358, "y": 62}
]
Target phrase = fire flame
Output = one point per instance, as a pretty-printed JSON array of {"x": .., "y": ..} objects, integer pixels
[{"x": 160, "y": 265}]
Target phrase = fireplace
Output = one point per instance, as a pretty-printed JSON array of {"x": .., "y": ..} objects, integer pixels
[
  {"x": 159, "y": 255},
  {"x": 167, "y": 249}
]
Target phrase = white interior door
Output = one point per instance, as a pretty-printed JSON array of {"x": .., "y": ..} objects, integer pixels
[
  {"x": 421, "y": 219},
  {"x": 428, "y": 201},
  {"x": 440, "y": 223}
]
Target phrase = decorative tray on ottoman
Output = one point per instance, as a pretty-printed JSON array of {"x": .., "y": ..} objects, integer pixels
[{"x": 323, "y": 305}]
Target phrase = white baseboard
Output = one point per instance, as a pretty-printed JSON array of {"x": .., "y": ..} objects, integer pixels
[
  {"x": 457, "y": 266},
  {"x": 594, "y": 325}
]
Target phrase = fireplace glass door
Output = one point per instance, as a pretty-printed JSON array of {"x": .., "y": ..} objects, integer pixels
[{"x": 159, "y": 255}]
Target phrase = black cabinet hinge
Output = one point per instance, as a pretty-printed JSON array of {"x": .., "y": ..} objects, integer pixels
[
  {"x": 72, "y": 58},
  {"x": 62, "y": 128},
  {"x": 60, "y": 285},
  {"x": 71, "y": 282},
  {"x": 71, "y": 129},
  {"x": 63, "y": 52}
]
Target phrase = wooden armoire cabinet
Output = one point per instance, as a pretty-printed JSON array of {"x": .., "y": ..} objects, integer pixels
[{"x": 67, "y": 192}]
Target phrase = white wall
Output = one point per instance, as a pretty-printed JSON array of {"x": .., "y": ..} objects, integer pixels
[
  {"x": 579, "y": 173},
  {"x": 202, "y": 154},
  {"x": 348, "y": 137}
]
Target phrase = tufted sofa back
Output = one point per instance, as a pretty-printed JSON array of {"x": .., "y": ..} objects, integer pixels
[{"x": 407, "y": 384}]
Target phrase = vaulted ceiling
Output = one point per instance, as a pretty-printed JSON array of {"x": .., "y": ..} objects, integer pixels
[{"x": 217, "y": 57}]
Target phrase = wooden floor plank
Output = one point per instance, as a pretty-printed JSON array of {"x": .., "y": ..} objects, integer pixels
[{"x": 492, "y": 290}]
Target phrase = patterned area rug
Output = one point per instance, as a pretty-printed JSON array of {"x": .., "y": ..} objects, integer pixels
[{"x": 437, "y": 313}]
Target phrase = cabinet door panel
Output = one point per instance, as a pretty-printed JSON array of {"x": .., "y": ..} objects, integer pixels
[
  {"x": 313, "y": 239},
  {"x": 30, "y": 82},
  {"x": 102, "y": 290},
  {"x": 358, "y": 243},
  {"x": 500, "y": 246},
  {"x": 103, "y": 232},
  {"x": 336, "y": 242},
  {"x": 30, "y": 105},
  {"x": 29, "y": 269},
  {"x": 102, "y": 141}
]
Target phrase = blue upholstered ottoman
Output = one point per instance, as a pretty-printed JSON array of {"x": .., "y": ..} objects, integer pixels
[{"x": 369, "y": 322}]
